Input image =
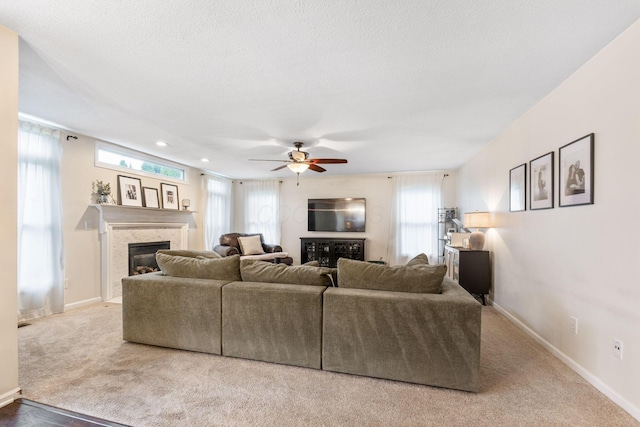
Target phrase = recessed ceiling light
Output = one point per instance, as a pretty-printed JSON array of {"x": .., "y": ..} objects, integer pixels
[
  {"x": 204, "y": 160},
  {"x": 161, "y": 144}
]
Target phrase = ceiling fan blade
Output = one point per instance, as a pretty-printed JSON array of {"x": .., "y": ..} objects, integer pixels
[
  {"x": 268, "y": 160},
  {"x": 315, "y": 161},
  {"x": 278, "y": 168},
  {"x": 316, "y": 168}
]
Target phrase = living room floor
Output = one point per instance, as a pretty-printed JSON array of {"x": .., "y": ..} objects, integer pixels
[{"x": 78, "y": 361}]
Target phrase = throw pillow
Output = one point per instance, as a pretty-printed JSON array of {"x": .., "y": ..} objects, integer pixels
[
  {"x": 421, "y": 259},
  {"x": 253, "y": 270},
  {"x": 250, "y": 245},
  {"x": 190, "y": 253},
  {"x": 227, "y": 268},
  {"x": 415, "y": 278}
]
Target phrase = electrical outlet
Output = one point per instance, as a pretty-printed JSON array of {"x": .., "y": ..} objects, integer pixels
[
  {"x": 66, "y": 283},
  {"x": 617, "y": 348},
  {"x": 574, "y": 325}
]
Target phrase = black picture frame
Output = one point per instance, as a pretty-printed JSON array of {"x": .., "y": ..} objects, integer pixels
[
  {"x": 170, "y": 198},
  {"x": 576, "y": 172},
  {"x": 518, "y": 188},
  {"x": 541, "y": 183},
  {"x": 129, "y": 191},
  {"x": 150, "y": 197}
]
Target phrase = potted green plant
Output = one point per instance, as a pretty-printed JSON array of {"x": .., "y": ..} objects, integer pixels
[{"x": 101, "y": 191}]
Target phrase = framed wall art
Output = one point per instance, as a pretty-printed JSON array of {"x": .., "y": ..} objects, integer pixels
[
  {"x": 518, "y": 188},
  {"x": 541, "y": 182},
  {"x": 169, "y": 196},
  {"x": 129, "y": 191},
  {"x": 150, "y": 197},
  {"x": 576, "y": 180}
]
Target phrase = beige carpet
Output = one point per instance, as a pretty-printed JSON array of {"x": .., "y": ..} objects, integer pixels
[{"x": 79, "y": 362}]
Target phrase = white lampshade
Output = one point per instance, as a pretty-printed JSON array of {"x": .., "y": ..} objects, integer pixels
[
  {"x": 477, "y": 220},
  {"x": 298, "y": 167}
]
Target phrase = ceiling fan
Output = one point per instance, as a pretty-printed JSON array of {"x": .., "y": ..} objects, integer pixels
[{"x": 299, "y": 161}]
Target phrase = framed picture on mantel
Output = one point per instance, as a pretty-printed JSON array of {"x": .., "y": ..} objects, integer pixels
[
  {"x": 129, "y": 191},
  {"x": 169, "y": 196},
  {"x": 150, "y": 198}
]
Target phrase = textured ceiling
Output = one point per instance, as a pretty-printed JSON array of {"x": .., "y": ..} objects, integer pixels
[{"x": 390, "y": 85}]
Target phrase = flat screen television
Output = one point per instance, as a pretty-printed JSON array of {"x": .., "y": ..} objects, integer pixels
[{"x": 346, "y": 214}]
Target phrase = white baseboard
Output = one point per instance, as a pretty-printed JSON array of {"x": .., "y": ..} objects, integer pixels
[
  {"x": 9, "y": 397},
  {"x": 82, "y": 303},
  {"x": 591, "y": 379}
]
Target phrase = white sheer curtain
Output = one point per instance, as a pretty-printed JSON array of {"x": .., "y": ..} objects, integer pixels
[
  {"x": 40, "y": 255},
  {"x": 414, "y": 217},
  {"x": 262, "y": 209},
  {"x": 217, "y": 212}
]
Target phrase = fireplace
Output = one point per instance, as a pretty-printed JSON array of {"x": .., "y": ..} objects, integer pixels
[
  {"x": 142, "y": 256},
  {"x": 118, "y": 226}
]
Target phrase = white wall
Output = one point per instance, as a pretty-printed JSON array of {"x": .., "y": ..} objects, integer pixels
[
  {"x": 376, "y": 189},
  {"x": 8, "y": 215},
  {"x": 82, "y": 246},
  {"x": 579, "y": 261}
]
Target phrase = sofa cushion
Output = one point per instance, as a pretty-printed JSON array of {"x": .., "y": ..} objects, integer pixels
[
  {"x": 420, "y": 259},
  {"x": 270, "y": 256},
  {"x": 414, "y": 278},
  {"x": 250, "y": 245},
  {"x": 190, "y": 253},
  {"x": 259, "y": 271},
  {"x": 227, "y": 268}
]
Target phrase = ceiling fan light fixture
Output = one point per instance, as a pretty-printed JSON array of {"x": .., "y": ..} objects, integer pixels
[
  {"x": 299, "y": 156},
  {"x": 298, "y": 167}
]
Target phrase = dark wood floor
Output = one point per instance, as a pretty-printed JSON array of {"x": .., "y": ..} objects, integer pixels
[{"x": 27, "y": 413}]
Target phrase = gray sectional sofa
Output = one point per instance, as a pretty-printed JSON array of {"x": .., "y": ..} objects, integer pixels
[{"x": 293, "y": 315}]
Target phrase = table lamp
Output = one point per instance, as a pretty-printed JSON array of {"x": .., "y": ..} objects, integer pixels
[{"x": 477, "y": 220}]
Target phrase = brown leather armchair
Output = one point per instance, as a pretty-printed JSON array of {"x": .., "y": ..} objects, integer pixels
[{"x": 229, "y": 244}]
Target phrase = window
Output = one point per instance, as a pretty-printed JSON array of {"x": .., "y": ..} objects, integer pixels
[
  {"x": 414, "y": 217},
  {"x": 262, "y": 209},
  {"x": 40, "y": 256},
  {"x": 217, "y": 210},
  {"x": 120, "y": 158}
]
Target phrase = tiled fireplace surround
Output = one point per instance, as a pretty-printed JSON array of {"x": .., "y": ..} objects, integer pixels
[{"x": 121, "y": 225}]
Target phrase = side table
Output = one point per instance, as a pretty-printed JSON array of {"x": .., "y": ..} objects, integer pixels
[{"x": 471, "y": 269}]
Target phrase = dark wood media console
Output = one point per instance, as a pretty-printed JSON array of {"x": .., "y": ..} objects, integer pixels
[{"x": 327, "y": 250}]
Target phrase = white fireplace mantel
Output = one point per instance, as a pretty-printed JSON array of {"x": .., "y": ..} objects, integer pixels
[
  {"x": 121, "y": 225},
  {"x": 132, "y": 214}
]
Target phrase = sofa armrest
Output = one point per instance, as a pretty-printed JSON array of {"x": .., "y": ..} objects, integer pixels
[
  {"x": 431, "y": 339},
  {"x": 269, "y": 248},
  {"x": 223, "y": 250}
]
